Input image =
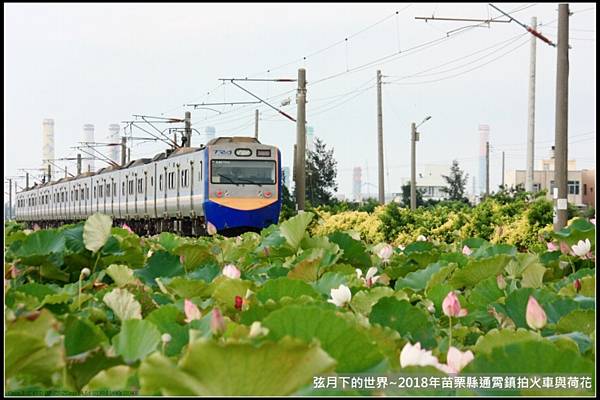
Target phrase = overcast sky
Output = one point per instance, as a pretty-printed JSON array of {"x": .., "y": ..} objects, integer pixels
[{"x": 101, "y": 63}]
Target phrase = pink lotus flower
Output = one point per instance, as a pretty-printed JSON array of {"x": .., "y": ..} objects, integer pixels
[
  {"x": 456, "y": 360},
  {"x": 217, "y": 322},
  {"x": 467, "y": 251},
  {"x": 564, "y": 248},
  {"x": 552, "y": 246},
  {"x": 370, "y": 279},
  {"x": 125, "y": 226},
  {"x": 191, "y": 311},
  {"x": 451, "y": 306},
  {"x": 535, "y": 315},
  {"x": 231, "y": 271}
]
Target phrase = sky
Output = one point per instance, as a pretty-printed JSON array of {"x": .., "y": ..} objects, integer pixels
[{"x": 101, "y": 63}]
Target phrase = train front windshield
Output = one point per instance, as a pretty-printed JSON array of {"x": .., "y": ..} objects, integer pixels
[{"x": 254, "y": 172}]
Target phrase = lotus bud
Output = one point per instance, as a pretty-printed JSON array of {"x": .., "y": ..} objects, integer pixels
[
  {"x": 191, "y": 311},
  {"x": 535, "y": 315},
  {"x": 217, "y": 322},
  {"x": 125, "y": 226},
  {"x": 85, "y": 272},
  {"x": 552, "y": 246},
  {"x": 467, "y": 251},
  {"x": 166, "y": 338},
  {"x": 564, "y": 248},
  {"x": 385, "y": 252},
  {"x": 231, "y": 271},
  {"x": 451, "y": 306},
  {"x": 210, "y": 228},
  {"x": 501, "y": 282},
  {"x": 577, "y": 285},
  {"x": 238, "y": 302}
]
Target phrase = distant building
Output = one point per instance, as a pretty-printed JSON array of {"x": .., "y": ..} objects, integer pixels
[
  {"x": 581, "y": 183},
  {"x": 430, "y": 181},
  {"x": 88, "y": 139},
  {"x": 113, "y": 137},
  {"x": 209, "y": 133},
  {"x": 484, "y": 137},
  {"x": 357, "y": 184}
]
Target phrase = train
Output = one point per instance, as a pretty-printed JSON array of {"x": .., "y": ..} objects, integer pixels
[{"x": 229, "y": 185}]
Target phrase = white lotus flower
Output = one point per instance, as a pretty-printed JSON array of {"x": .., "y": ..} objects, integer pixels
[
  {"x": 256, "y": 329},
  {"x": 582, "y": 248},
  {"x": 414, "y": 355},
  {"x": 421, "y": 238},
  {"x": 385, "y": 252},
  {"x": 340, "y": 296},
  {"x": 231, "y": 271},
  {"x": 370, "y": 279},
  {"x": 456, "y": 360}
]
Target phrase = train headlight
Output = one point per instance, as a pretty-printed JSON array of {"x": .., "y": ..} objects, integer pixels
[
  {"x": 268, "y": 194},
  {"x": 219, "y": 194}
]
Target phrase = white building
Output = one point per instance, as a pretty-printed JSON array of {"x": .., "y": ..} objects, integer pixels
[{"x": 430, "y": 181}]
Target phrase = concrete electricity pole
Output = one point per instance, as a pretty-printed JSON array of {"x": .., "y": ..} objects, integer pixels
[
  {"x": 78, "y": 164},
  {"x": 188, "y": 129},
  {"x": 256, "y": 124},
  {"x": 531, "y": 112},
  {"x": 413, "y": 166},
  {"x": 123, "y": 151},
  {"x": 562, "y": 111},
  {"x": 301, "y": 140},
  {"x": 502, "y": 169},
  {"x": 487, "y": 168},
  {"x": 380, "y": 140}
]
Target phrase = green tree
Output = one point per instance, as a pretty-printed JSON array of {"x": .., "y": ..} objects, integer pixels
[
  {"x": 456, "y": 181},
  {"x": 321, "y": 173},
  {"x": 288, "y": 206},
  {"x": 406, "y": 196}
]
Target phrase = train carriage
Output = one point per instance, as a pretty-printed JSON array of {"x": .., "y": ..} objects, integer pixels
[{"x": 232, "y": 184}]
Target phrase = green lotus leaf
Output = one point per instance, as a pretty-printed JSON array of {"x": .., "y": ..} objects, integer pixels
[
  {"x": 120, "y": 274},
  {"x": 81, "y": 335},
  {"x": 411, "y": 322},
  {"x": 123, "y": 304},
  {"x": 96, "y": 231},
  {"x": 355, "y": 252},
  {"x": 351, "y": 348},
  {"x": 275, "y": 289},
  {"x": 137, "y": 339},
  {"x": 113, "y": 379},
  {"x": 161, "y": 264},
  {"x": 417, "y": 280},
  {"x": 235, "y": 369},
  {"x": 294, "y": 229},
  {"x": 477, "y": 270},
  {"x": 577, "y": 320}
]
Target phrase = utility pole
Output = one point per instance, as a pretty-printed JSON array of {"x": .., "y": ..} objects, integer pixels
[
  {"x": 562, "y": 112},
  {"x": 256, "y": 124},
  {"x": 301, "y": 140},
  {"x": 123, "y": 151},
  {"x": 188, "y": 129},
  {"x": 380, "y": 139},
  {"x": 413, "y": 166},
  {"x": 487, "y": 168},
  {"x": 531, "y": 112},
  {"x": 78, "y": 164},
  {"x": 503, "y": 169}
]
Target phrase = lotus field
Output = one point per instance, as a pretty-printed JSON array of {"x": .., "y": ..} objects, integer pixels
[{"x": 96, "y": 309}]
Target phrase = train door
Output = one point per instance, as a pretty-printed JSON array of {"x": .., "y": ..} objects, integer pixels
[{"x": 154, "y": 184}]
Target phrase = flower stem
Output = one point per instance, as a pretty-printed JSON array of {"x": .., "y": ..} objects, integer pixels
[
  {"x": 79, "y": 294},
  {"x": 96, "y": 263},
  {"x": 449, "y": 332}
]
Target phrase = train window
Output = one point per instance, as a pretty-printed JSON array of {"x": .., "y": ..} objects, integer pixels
[
  {"x": 114, "y": 190},
  {"x": 62, "y": 197},
  {"x": 131, "y": 187},
  {"x": 100, "y": 191},
  {"x": 94, "y": 191},
  {"x": 160, "y": 183},
  {"x": 82, "y": 194},
  {"x": 171, "y": 180},
  {"x": 108, "y": 190},
  {"x": 76, "y": 194},
  {"x": 87, "y": 193},
  {"x": 123, "y": 189},
  {"x": 151, "y": 181},
  {"x": 140, "y": 185},
  {"x": 71, "y": 195}
]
